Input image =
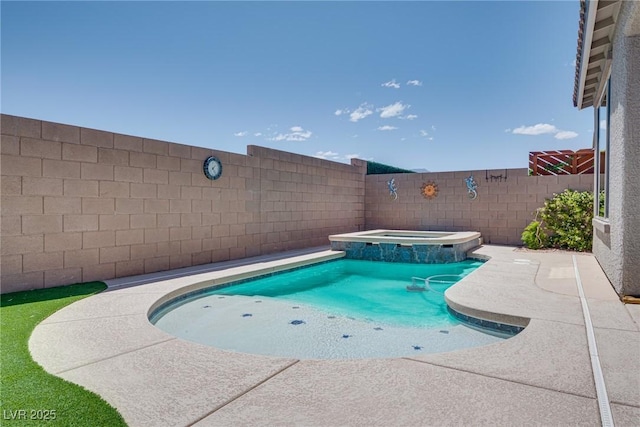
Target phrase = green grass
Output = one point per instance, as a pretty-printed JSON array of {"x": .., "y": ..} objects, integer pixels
[{"x": 24, "y": 385}]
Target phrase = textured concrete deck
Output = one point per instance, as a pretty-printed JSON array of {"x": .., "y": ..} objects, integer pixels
[{"x": 543, "y": 376}]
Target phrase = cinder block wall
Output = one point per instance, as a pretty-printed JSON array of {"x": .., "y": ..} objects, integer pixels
[
  {"x": 81, "y": 204},
  {"x": 303, "y": 199},
  {"x": 500, "y": 212}
]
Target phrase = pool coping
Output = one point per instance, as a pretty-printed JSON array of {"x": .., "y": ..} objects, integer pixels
[{"x": 107, "y": 344}]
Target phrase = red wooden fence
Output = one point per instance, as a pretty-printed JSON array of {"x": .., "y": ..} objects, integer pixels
[{"x": 563, "y": 162}]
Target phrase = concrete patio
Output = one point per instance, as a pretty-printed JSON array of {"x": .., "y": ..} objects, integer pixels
[{"x": 543, "y": 376}]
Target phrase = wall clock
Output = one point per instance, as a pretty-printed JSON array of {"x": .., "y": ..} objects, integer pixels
[{"x": 212, "y": 167}]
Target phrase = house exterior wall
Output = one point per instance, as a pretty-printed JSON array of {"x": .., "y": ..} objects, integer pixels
[
  {"x": 500, "y": 212},
  {"x": 618, "y": 250},
  {"x": 81, "y": 204}
]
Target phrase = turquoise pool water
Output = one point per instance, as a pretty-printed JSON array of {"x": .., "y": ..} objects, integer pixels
[
  {"x": 343, "y": 309},
  {"x": 364, "y": 290}
]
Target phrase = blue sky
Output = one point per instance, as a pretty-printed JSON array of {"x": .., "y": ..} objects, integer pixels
[{"x": 433, "y": 85}]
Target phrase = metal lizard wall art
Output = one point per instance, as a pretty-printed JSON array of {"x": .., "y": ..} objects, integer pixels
[{"x": 472, "y": 186}]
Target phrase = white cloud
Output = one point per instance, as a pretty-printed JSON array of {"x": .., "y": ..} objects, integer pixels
[
  {"x": 257, "y": 134},
  {"x": 336, "y": 157},
  {"x": 341, "y": 112},
  {"x": 361, "y": 112},
  {"x": 392, "y": 84},
  {"x": 243, "y": 133},
  {"x": 539, "y": 129},
  {"x": 425, "y": 134},
  {"x": 545, "y": 128},
  {"x": 565, "y": 134},
  {"x": 603, "y": 124},
  {"x": 507, "y": 130},
  {"x": 414, "y": 83},
  {"x": 393, "y": 110},
  {"x": 325, "y": 154},
  {"x": 433, "y": 127},
  {"x": 297, "y": 134},
  {"x": 348, "y": 157},
  {"x": 387, "y": 127},
  {"x": 409, "y": 117}
]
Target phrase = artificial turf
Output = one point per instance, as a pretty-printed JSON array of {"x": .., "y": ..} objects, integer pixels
[{"x": 28, "y": 394}]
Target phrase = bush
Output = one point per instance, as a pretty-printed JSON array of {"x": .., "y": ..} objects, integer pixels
[
  {"x": 564, "y": 223},
  {"x": 533, "y": 236}
]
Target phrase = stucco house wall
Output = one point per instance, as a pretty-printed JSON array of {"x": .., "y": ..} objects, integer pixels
[{"x": 618, "y": 248}]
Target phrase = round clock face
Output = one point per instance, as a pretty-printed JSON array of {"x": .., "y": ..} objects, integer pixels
[{"x": 212, "y": 168}]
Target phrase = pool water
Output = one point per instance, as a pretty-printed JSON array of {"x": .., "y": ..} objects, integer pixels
[
  {"x": 341, "y": 309},
  {"x": 364, "y": 290}
]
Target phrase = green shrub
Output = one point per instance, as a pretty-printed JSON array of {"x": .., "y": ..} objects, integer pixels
[
  {"x": 564, "y": 222},
  {"x": 533, "y": 236}
]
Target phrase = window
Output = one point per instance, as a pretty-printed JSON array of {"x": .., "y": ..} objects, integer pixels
[{"x": 601, "y": 153}]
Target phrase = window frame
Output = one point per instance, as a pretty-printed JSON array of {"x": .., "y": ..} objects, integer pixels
[{"x": 598, "y": 146}]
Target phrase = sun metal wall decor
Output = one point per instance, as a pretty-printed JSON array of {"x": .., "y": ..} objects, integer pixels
[{"x": 429, "y": 190}]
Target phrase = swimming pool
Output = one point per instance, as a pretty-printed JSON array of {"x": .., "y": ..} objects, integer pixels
[{"x": 336, "y": 309}]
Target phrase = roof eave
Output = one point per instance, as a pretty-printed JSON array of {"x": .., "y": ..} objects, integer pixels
[
  {"x": 595, "y": 39},
  {"x": 585, "y": 35}
]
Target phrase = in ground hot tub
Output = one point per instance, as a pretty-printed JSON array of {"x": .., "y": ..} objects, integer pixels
[{"x": 432, "y": 247}]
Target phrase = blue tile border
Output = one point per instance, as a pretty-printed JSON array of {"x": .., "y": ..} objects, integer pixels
[
  {"x": 488, "y": 325},
  {"x": 416, "y": 253}
]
